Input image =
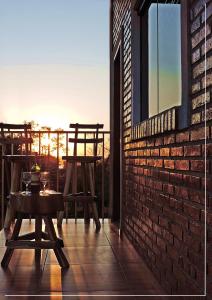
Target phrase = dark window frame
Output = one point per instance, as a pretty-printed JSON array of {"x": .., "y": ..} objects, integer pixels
[{"x": 140, "y": 99}]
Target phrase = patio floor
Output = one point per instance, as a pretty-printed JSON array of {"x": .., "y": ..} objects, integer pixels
[{"x": 100, "y": 264}]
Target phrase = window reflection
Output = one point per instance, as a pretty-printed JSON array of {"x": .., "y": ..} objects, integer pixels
[{"x": 164, "y": 42}]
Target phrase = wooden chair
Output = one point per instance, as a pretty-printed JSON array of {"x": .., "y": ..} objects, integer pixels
[
  {"x": 15, "y": 142},
  {"x": 88, "y": 165}
]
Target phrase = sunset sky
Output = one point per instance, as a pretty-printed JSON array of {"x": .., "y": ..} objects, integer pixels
[{"x": 54, "y": 61}]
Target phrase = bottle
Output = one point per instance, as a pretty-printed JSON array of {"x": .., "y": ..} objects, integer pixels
[{"x": 35, "y": 179}]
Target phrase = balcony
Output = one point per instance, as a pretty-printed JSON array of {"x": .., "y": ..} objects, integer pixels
[{"x": 100, "y": 263}]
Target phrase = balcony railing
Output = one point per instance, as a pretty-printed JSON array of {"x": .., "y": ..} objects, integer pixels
[{"x": 55, "y": 144}]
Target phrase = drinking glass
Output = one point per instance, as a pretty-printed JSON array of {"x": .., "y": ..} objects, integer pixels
[
  {"x": 26, "y": 179},
  {"x": 44, "y": 178}
]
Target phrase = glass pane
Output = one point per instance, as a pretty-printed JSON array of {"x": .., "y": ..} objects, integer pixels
[
  {"x": 164, "y": 47},
  {"x": 153, "y": 61},
  {"x": 169, "y": 47}
]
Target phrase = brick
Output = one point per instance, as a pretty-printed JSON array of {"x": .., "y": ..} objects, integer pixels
[
  {"x": 182, "y": 165},
  {"x": 158, "y": 163},
  {"x": 168, "y": 236},
  {"x": 196, "y": 55},
  {"x": 164, "y": 151},
  {"x": 173, "y": 253},
  {"x": 196, "y": 196},
  {"x": 142, "y": 162},
  {"x": 199, "y": 134},
  {"x": 158, "y": 185},
  {"x": 191, "y": 242},
  {"x": 154, "y": 152},
  {"x": 200, "y": 100},
  {"x": 198, "y": 165},
  {"x": 158, "y": 142},
  {"x": 208, "y": 14},
  {"x": 170, "y": 139},
  {"x": 161, "y": 243},
  {"x": 199, "y": 6},
  {"x": 182, "y": 137},
  {"x": 207, "y": 81},
  {"x": 209, "y": 218},
  {"x": 195, "y": 25},
  {"x": 192, "y": 181},
  {"x": 200, "y": 35},
  {"x": 196, "y": 259},
  {"x": 168, "y": 188},
  {"x": 181, "y": 192},
  {"x": 208, "y": 183},
  {"x": 196, "y": 87},
  {"x": 192, "y": 211},
  {"x": 208, "y": 150},
  {"x": 177, "y": 151},
  {"x": 169, "y": 164},
  {"x": 177, "y": 231},
  {"x": 193, "y": 150},
  {"x": 150, "y": 143},
  {"x": 208, "y": 114},
  {"x": 175, "y": 178},
  {"x": 154, "y": 216},
  {"x": 177, "y": 217},
  {"x": 155, "y": 173},
  {"x": 176, "y": 203},
  {"x": 208, "y": 46},
  {"x": 196, "y": 228},
  {"x": 196, "y": 118},
  {"x": 164, "y": 175},
  {"x": 163, "y": 222},
  {"x": 157, "y": 229},
  {"x": 200, "y": 68}
]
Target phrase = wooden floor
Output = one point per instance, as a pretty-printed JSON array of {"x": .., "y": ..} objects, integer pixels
[{"x": 100, "y": 264}]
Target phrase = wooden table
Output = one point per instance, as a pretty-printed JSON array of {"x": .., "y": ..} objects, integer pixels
[
  {"x": 42, "y": 206},
  {"x": 17, "y": 162}
]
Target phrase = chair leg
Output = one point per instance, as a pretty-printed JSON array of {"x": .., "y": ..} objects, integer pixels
[
  {"x": 74, "y": 188},
  {"x": 15, "y": 181},
  {"x": 60, "y": 214},
  {"x": 10, "y": 215},
  {"x": 95, "y": 215},
  {"x": 9, "y": 252},
  {"x": 85, "y": 190},
  {"x": 94, "y": 207}
]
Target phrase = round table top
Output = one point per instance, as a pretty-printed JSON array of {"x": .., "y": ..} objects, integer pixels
[
  {"x": 42, "y": 203},
  {"x": 21, "y": 157}
]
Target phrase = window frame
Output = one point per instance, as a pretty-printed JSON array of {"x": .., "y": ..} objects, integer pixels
[{"x": 176, "y": 117}]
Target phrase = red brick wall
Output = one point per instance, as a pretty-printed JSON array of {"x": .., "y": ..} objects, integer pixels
[{"x": 163, "y": 176}]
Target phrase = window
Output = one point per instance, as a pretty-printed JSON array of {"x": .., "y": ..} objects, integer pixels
[
  {"x": 164, "y": 57},
  {"x": 159, "y": 59}
]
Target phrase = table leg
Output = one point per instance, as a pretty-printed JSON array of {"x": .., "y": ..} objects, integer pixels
[
  {"x": 9, "y": 251},
  {"x": 53, "y": 237},
  {"x": 38, "y": 236}
]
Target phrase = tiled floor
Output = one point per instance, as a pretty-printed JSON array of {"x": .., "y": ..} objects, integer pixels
[{"x": 100, "y": 264}]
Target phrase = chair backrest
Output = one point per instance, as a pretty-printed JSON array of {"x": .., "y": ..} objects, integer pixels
[
  {"x": 86, "y": 129},
  {"x": 16, "y": 134}
]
